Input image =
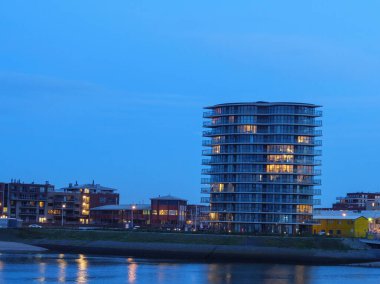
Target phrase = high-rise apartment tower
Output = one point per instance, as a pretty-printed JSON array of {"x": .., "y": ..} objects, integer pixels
[{"x": 262, "y": 166}]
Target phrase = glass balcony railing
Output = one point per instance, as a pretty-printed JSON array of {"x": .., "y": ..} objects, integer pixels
[
  {"x": 310, "y": 112},
  {"x": 209, "y": 152},
  {"x": 215, "y": 160},
  {"x": 217, "y": 179},
  {"x": 213, "y": 123},
  {"x": 258, "y": 171},
  {"x": 258, "y": 135}
]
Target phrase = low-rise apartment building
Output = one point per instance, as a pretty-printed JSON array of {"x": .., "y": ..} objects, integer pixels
[{"x": 25, "y": 201}]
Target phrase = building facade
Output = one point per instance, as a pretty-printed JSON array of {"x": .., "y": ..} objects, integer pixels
[
  {"x": 168, "y": 212},
  {"x": 261, "y": 162},
  {"x": 358, "y": 201},
  {"x": 24, "y": 201},
  {"x": 124, "y": 216},
  {"x": 73, "y": 203},
  {"x": 346, "y": 225}
]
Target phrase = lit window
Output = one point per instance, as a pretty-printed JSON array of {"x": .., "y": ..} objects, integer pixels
[
  {"x": 303, "y": 139},
  {"x": 163, "y": 212},
  {"x": 173, "y": 212},
  {"x": 216, "y": 149}
]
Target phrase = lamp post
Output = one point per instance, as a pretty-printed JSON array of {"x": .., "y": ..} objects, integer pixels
[
  {"x": 133, "y": 208},
  {"x": 63, "y": 207}
]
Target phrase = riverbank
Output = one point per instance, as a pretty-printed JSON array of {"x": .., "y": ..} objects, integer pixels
[
  {"x": 199, "y": 247},
  {"x": 15, "y": 247}
]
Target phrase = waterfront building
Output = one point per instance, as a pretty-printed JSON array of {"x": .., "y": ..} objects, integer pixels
[
  {"x": 358, "y": 201},
  {"x": 73, "y": 203},
  {"x": 345, "y": 224},
  {"x": 168, "y": 212},
  {"x": 261, "y": 166},
  {"x": 124, "y": 216},
  {"x": 24, "y": 201},
  {"x": 197, "y": 216}
]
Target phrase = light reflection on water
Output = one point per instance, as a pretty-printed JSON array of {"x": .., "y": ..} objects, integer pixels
[{"x": 74, "y": 268}]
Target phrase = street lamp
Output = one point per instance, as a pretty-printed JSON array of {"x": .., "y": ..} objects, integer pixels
[
  {"x": 63, "y": 207},
  {"x": 133, "y": 208}
]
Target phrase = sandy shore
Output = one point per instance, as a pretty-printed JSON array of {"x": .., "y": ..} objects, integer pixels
[{"x": 8, "y": 247}]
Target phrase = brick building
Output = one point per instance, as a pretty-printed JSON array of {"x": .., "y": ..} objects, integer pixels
[
  {"x": 77, "y": 200},
  {"x": 168, "y": 212}
]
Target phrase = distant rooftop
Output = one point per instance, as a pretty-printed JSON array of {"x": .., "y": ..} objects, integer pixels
[
  {"x": 262, "y": 103},
  {"x": 123, "y": 207},
  {"x": 91, "y": 186},
  {"x": 168, "y": 197}
]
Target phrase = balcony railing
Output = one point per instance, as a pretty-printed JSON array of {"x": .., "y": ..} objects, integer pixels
[
  {"x": 316, "y": 123},
  {"x": 239, "y": 161},
  {"x": 218, "y": 132},
  {"x": 215, "y": 179},
  {"x": 252, "y": 171},
  {"x": 311, "y": 112},
  {"x": 261, "y": 200},
  {"x": 210, "y": 152}
]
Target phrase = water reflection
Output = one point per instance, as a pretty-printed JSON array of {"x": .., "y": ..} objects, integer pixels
[
  {"x": 62, "y": 265},
  {"x": 72, "y": 268},
  {"x": 257, "y": 273},
  {"x": 42, "y": 271},
  {"x": 132, "y": 270},
  {"x": 82, "y": 269}
]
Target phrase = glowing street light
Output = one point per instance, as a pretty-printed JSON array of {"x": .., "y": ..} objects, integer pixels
[
  {"x": 133, "y": 208},
  {"x": 63, "y": 207}
]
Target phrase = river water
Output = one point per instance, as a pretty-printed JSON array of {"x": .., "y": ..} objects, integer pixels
[{"x": 74, "y": 268}]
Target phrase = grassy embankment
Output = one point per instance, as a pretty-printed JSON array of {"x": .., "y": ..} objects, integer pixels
[{"x": 36, "y": 235}]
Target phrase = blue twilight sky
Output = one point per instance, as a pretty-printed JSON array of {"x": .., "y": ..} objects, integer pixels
[{"x": 114, "y": 90}]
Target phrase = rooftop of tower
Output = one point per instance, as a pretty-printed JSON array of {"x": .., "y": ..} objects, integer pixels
[{"x": 262, "y": 103}]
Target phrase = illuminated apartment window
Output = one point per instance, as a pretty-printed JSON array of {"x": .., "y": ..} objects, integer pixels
[
  {"x": 304, "y": 209},
  {"x": 5, "y": 209},
  {"x": 216, "y": 149},
  {"x": 247, "y": 128},
  {"x": 231, "y": 119},
  {"x": 304, "y": 139},
  {"x": 154, "y": 212},
  {"x": 280, "y": 158},
  {"x": 214, "y": 216},
  {"x": 41, "y": 204},
  {"x": 279, "y": 168},
  {"x": 163, "y": 212},
  {"x": 280, "y": 148}
]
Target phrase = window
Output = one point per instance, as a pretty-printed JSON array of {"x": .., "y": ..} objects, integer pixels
[
  {"x": 338, "y": 232},
  {"x": 163, "y": 212},
  {"x": 331, "y": 232},
  {"x": 173, "y": 212}
]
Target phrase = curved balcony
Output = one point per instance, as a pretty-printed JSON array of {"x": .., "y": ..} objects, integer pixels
[
  {"x": 258, "y": 135},
  {"x": 212, "y": 142},
  {"x": 263, "y": 181},
  {"x": 306, "y": 191},
  {"x": 315, "y": 172},
  {"x": 312, "y": 112},
  {"x": 212, "y": 161},
  {"x": 211, "y": 124},
  {"x": 211, "y": 152}
]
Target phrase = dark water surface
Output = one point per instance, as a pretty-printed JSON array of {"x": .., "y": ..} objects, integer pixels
[{"x": 74, "y": 268}]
